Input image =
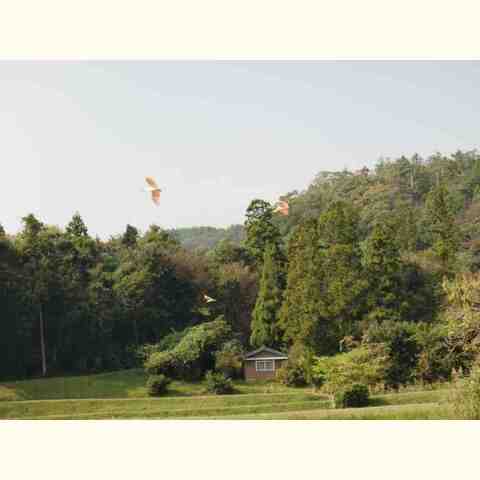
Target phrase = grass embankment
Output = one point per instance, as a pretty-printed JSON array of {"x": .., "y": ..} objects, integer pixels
[
  {"x": 173, "y": 407},
  {"x": 426, "y": 411},
  {"x": 419, "y": 405},
  {"x": 122, "y": 395}
]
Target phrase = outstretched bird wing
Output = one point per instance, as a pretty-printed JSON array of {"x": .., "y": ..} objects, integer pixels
[
  {"x": 151, "y": 182},
  {"x": 156, "y": 197}
]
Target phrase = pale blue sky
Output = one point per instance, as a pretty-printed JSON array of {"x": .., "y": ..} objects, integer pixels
[{"x": 83, "y": 135}]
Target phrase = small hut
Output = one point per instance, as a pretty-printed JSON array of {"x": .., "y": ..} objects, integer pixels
[{"x": 262, "y": 364}]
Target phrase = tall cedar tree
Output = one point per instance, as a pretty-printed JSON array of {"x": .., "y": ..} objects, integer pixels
[
  {"x": 298, "y": 309},
  {"x": 130, "y": 237},
  {"x": 386, "y": 298},
  {"x": 261, "y": 231},
  {"x": 340, "y": 279},
  {"x": 441, "y": 222},
  {"x": 265, "y": 325}
]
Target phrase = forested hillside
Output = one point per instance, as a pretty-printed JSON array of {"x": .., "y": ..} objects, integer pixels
[
  {"x": 388, "y": 256},
  {"x": 205, "y": 238},
  {"x": 379, "y": 268}
]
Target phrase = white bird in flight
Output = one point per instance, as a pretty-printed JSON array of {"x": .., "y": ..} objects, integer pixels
[
  {"x": 154, "y": 189},
  {"x": 208, "y": 299}
]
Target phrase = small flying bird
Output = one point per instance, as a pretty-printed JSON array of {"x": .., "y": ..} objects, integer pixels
[
  {"x": 208, "y": 299},
  {"x": 154, "y": 189},
  {"x": 282, "y": 208}
]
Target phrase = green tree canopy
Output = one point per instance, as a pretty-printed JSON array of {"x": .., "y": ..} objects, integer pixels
[{"x": 265, "y": 318}]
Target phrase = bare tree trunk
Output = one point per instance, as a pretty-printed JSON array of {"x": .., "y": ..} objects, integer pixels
[{"x": 42, "y": 343}]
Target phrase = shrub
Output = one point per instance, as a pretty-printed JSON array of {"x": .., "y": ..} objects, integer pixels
[
  {"x": 297, "y": 370},
  {"x": 355, "y": 396},
  {"x": 193, "y": 355},
  {"x": 403, "y": 350},
  {"x": 466, "y": 396},
  {"x": 218, "y": 383},
  {"x": 170, "y": 341},
  {"x": 157, "y": 385},
  {"x": 161, "y": 363},
  {"x": 318, "y": 377},
  {"x": 229, "y": 359},
  {"x": 292, "y": 375},
  {"x": 366, "y": 365},
  {"x": 434, "y": 362},
  {"x": 462, "y": 319},
  {"x": 144, "y": 351}
]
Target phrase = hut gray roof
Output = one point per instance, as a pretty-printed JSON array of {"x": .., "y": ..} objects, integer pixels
[{"x": 264, "y": 352}]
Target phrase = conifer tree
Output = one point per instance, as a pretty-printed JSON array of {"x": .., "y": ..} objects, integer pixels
[
  {"x": 341, "y": 281},
  {"x": 261, "y": 231},
  {"x": 82, "y": 251},
  {"x": 325, "y": 288},
  {"x": 441, "y": 225},
  {"x": 77, "y": 227},
  {"x": 406, "y": 228},
  {"x": 297, "y": 314},
  {"x": 130, "y": 237},
  {"x": 383, "y": 265},
  {"x": 265, "y": 327}
]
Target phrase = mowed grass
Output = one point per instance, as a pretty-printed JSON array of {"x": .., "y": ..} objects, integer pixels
[
  {"x": 172, "y": 407},
  {"x": 122, "y": 384},
  {"x": 422, "y": 411},
  {"x": 418, "y": 405},
  {"x": 122, "y": 395},
  {"x": 297, "y": 405}
]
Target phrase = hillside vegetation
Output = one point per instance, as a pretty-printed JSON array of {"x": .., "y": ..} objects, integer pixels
[
  {"x": 370, "y": 283},
  {"x": 206, "y": 238}
]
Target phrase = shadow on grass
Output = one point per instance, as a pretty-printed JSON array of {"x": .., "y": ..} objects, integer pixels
[{"x": 377, "y": 402}]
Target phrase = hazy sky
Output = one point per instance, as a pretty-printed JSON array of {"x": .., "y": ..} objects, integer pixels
[{"x": 81, "y": 136}]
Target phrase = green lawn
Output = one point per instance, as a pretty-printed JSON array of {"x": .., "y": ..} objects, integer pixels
[
  {"x": 427, "y": 411},
  {"x": 123, "y": 384},
  {"x": 122, "y": 395}
]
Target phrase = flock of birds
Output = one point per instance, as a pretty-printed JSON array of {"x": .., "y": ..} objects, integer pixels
[{"x": 281, "y": 207}]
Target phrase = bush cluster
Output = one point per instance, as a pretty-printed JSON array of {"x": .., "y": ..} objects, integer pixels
[
  {"x": 362, "y": 365},
  {"x": 193, "y": 355},
  {"x": 228, "y": 360},
  {"x": 297, "y": 370},
  {"x": 356, "y": 395},
  {"x": 157, "y": 385},
  {"x": 466, "y": 397},
  {"x": 292, "y": 375},
  {"x": 218, "y": 383},
  {"x": 403, "y": 350}
]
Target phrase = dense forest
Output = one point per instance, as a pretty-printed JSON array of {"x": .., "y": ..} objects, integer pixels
[
  {"x": 382, "y": 257},
  {"x": 206, "y": 238}
]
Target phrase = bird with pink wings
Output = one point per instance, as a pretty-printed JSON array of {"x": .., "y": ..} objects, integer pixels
[{"x": 153, "y": 189}]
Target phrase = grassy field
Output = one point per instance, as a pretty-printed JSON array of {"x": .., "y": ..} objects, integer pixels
[
  {"x": 121, "y": 395},
  {"x": 123, "y": 384}
]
